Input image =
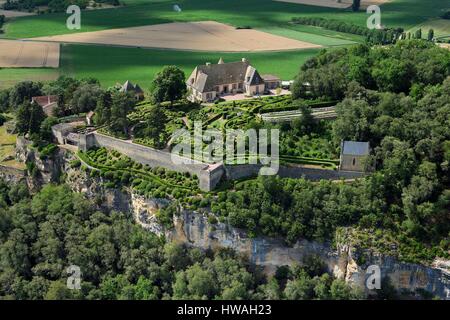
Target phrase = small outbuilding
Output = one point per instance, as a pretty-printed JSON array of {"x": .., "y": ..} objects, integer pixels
[
  {"x": 354, "y": 155},
  {"x": 47, "y": 103},
  {"x": 271, "y": 81},
  {"x": 134, "y": 89}
]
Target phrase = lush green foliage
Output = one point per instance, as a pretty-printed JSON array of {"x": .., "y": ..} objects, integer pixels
[
  {"x": 40, "y": 237},
  {"x": 399, "y": 68},
  {"x": 168, "y": 85},
  {"x": 375, "y": 36}
]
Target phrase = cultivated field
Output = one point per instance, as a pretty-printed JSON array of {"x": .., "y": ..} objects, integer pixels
[
  {"x": 16, "y": 54},
  {"x": 200, "y": 36}
]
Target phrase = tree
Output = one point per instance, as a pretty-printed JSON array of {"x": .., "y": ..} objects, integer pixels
[
  {"x": 85, "y": 98},
  {"x": 23, "y": 92},
  {"x": 45, "y": 131},
  {"x": 37, "y": 116},
  {"x": 29, "y": 118},
  {"x": 168, "y": 85},
  {"x": 418, "y": 34},
  {"x": 306, "y": 122},
  {"x": 430, "y": 36},
  {"x": 58, "y": 291},
  {"x": 356, "y": 5},
  {"x": 155, "y": 126},
  {"x": 299, "y": 289},
  {"x": 122, "y": 104},
  {"x": 4, "y": 100},
  {"x": 103, "y": 109},
  {"x": 340, "y": 290}
]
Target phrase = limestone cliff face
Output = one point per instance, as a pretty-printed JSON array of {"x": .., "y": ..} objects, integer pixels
[
  {"x": 48, "y": 169},
  {"x": 193, "y": 228},
  {"x": 270, "y": 253}
]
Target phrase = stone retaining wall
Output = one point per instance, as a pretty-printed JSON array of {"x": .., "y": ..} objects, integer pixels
[
  {"x": 247, "y": 170},
  {"x": 208, "y": 176}
]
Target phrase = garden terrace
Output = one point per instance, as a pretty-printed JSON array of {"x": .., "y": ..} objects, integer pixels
[
  {"x": 174, "y": 114},
  {"x": 120, "y": 170}
]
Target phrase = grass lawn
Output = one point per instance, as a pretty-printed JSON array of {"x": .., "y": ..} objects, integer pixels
[
  {"x": 254, "y": 13},
  {"x": 10, "y": 76},
  {"x": 7, "y": 149},
  {"x": 113, "y": 64},
  {"x": 6, "y": 138}
]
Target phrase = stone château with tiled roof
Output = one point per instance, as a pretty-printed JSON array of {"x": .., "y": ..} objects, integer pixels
[{"x": 210, "y": 81}]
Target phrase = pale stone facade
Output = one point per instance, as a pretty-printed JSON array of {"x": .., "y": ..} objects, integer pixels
[{"x": 211, "y": 81}]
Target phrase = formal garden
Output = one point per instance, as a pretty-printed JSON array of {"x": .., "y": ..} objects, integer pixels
[{"x": 119, "y": 170}]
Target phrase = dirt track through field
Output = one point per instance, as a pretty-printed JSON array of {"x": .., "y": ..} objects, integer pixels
[
  {"x": 196, "y": 36},
  {"x": 19, "y": 54}
]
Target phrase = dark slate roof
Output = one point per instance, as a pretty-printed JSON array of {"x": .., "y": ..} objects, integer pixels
[
  {"x": 355, "y": 148},
  {"x": 205, "y": 77},
  {"x": 137, "y": 89},
  {"x": 128, "y": 87}
]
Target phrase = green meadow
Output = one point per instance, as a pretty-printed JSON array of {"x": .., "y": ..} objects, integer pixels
[
  {"x": 10, "y": 76},
  {"x": 115, "y": 64}
]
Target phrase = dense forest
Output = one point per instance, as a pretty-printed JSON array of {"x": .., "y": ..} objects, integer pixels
[
  {"x": 42, "y": 235},
  {"x": 407, "y": 66}
]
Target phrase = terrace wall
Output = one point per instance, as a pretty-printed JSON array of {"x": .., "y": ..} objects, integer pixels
[
  {"x": 208, "y": 176},
  {"x": 235, "y": 172}
]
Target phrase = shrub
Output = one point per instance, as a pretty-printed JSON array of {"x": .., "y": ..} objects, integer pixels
[{"x": 75, "y": 163}]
